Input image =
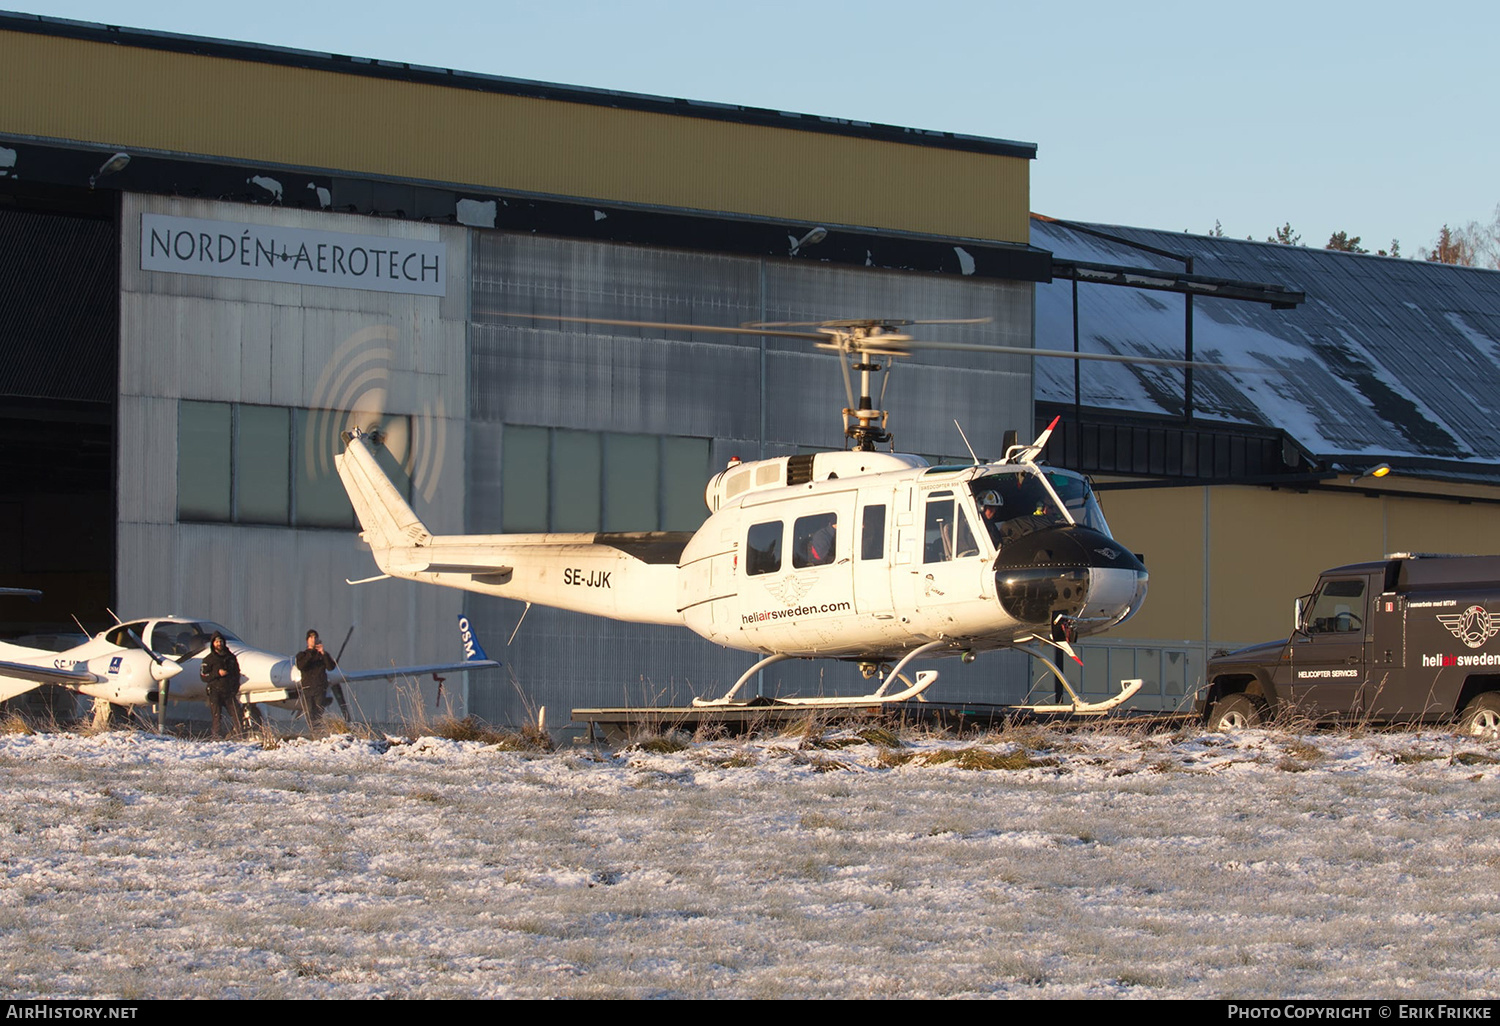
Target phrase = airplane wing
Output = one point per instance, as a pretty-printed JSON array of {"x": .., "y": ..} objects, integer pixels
[
  {"x": 47, "y": 674},
  {"x": 19, "y": 678},
  {"x": 357, "y": 676}
]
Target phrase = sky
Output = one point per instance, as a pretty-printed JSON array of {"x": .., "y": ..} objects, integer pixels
[{"x": 1369, "y": 118}]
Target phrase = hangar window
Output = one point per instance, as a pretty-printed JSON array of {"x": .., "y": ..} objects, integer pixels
[
  {"x": 556, "y": 479},
  {"x": 244, "y": 464}
]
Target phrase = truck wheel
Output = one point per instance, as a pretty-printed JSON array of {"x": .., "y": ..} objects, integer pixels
[
  {"x": 1233, "y": 712},
  {"x": 1481, "y": 717}
]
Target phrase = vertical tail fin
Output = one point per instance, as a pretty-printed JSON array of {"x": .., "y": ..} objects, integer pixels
[
  {"x": 473, "y": 650},
  {"x": 385, "y": 519}
]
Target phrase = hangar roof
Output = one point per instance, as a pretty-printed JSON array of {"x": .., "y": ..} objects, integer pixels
[{"x": 1388, "y": 359}]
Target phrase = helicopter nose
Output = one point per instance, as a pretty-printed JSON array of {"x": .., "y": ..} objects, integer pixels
[{"x": 1069, "y": 571}]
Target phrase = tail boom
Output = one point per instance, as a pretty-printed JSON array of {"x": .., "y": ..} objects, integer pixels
[{"x": 630, "y": 577}]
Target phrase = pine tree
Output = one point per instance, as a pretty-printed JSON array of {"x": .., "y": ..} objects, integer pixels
[
  {"x": 1340, "y": 241},
  {"x": 1451, "y": 247},
  {"x": 1285, "y": 236}
]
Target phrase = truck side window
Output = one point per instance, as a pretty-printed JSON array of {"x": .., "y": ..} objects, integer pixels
[
  {"x": 1338, "y": 608},
  {"x": 763, "y": 549}
]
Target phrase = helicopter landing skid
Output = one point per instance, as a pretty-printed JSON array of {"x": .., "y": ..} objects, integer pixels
[
  {"x": 914, "y": 688},
  {"x": 1078, "y": 706}
]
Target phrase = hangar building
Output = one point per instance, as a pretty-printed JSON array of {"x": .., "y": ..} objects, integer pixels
[
  {"x": 217, "y": 255},
  {"x": 1240, "y": 484}
]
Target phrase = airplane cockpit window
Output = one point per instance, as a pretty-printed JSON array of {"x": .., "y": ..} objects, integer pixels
[
  {"x": 814, "y": 539},
  {"x": 1339, "y": 608},
  {"x": 126, "y": 635},
  {"x": 763, "y": 549},
  {"x": 178, "y": 638}
]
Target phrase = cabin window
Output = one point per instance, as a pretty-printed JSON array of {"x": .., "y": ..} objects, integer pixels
[
  {"x": 814, "y": 540},
  {"x": 872, "y": 533},
  {"x": 763, "y": 549},
  {"x": 947, "y": 534}
]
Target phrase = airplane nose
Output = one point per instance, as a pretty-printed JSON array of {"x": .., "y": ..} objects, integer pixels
[{"x": 1068, "y": 571}]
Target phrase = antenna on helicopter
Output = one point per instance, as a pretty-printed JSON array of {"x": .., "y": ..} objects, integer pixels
[{"x": 966, "y": 441}]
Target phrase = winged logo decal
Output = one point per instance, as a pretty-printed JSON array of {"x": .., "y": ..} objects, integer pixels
[
  {"x": 1474, "y": 626},
  {"x": 791, "y": 588}
]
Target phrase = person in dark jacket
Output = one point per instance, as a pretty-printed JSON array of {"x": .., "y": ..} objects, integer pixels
[
  {"x": 314, "y": 663},
  {"x": 221, "y": 672}
]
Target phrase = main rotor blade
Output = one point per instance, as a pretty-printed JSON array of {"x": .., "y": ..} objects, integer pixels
[
  {"x": 666, "y": 326},
  {"x": 866, "y": 323},
  {"x": 1061, "y": 354}
]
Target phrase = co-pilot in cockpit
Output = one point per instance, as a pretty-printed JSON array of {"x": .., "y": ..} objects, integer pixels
[{"x": 1017, "y": 502}]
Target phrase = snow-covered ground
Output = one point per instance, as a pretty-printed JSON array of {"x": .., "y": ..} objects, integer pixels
[{"x": 1097, "y": 864}]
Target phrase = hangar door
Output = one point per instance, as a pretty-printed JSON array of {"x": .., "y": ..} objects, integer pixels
[{"x": 59, "y": 331}]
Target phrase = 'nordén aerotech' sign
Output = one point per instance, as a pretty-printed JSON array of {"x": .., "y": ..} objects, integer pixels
[{"x": 296, "y": 256}]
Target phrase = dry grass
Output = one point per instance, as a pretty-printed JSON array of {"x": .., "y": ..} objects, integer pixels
[
  {"x": 15, "y": 723},
  {"x": 471, "y": 729},
  {"x": 980, "y": 758}
]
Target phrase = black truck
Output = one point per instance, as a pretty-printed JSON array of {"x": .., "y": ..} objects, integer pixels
[{"x": 1409, "y": 639}]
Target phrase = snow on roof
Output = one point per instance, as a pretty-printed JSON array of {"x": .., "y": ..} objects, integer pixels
[{"x": 1388, "y": 358}]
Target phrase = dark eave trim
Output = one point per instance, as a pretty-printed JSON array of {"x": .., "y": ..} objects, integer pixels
[
  {"x": 55, "y": 164},
  {"x": 401, "y": 72},
  {"x": 1155, "y": 279}
]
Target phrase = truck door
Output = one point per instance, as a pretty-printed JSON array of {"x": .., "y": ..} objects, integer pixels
[{"x": 1331, "y": 654}]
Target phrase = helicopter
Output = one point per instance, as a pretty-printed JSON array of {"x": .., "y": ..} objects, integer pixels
[{"x": 872, "y": 557}]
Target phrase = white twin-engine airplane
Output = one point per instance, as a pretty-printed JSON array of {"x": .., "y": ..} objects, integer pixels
[
  {"x": 865, "y": 556},
  {"x": 152, "y": 661}
]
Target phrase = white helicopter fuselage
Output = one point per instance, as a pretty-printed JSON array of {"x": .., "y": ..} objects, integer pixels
[{"x": 852, "y": 555}]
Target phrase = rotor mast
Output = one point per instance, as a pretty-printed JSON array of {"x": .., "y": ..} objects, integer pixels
[{"x": 860, "y": 344}]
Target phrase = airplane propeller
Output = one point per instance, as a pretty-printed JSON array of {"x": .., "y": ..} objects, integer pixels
[
  {"x": 338, "y": 688},
  {"x": 162, "y": 671}
]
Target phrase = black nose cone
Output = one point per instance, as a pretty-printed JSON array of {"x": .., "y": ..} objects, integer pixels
[
  {"x": 1046, "y": 574},
  {"x": 1068, "y": 547}
]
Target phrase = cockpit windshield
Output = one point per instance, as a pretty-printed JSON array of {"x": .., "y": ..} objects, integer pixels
[
  {"x": 175, "y": 638},
  {"x": 170, "y": 638},
  {"x": 1017, "y": 502}
]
